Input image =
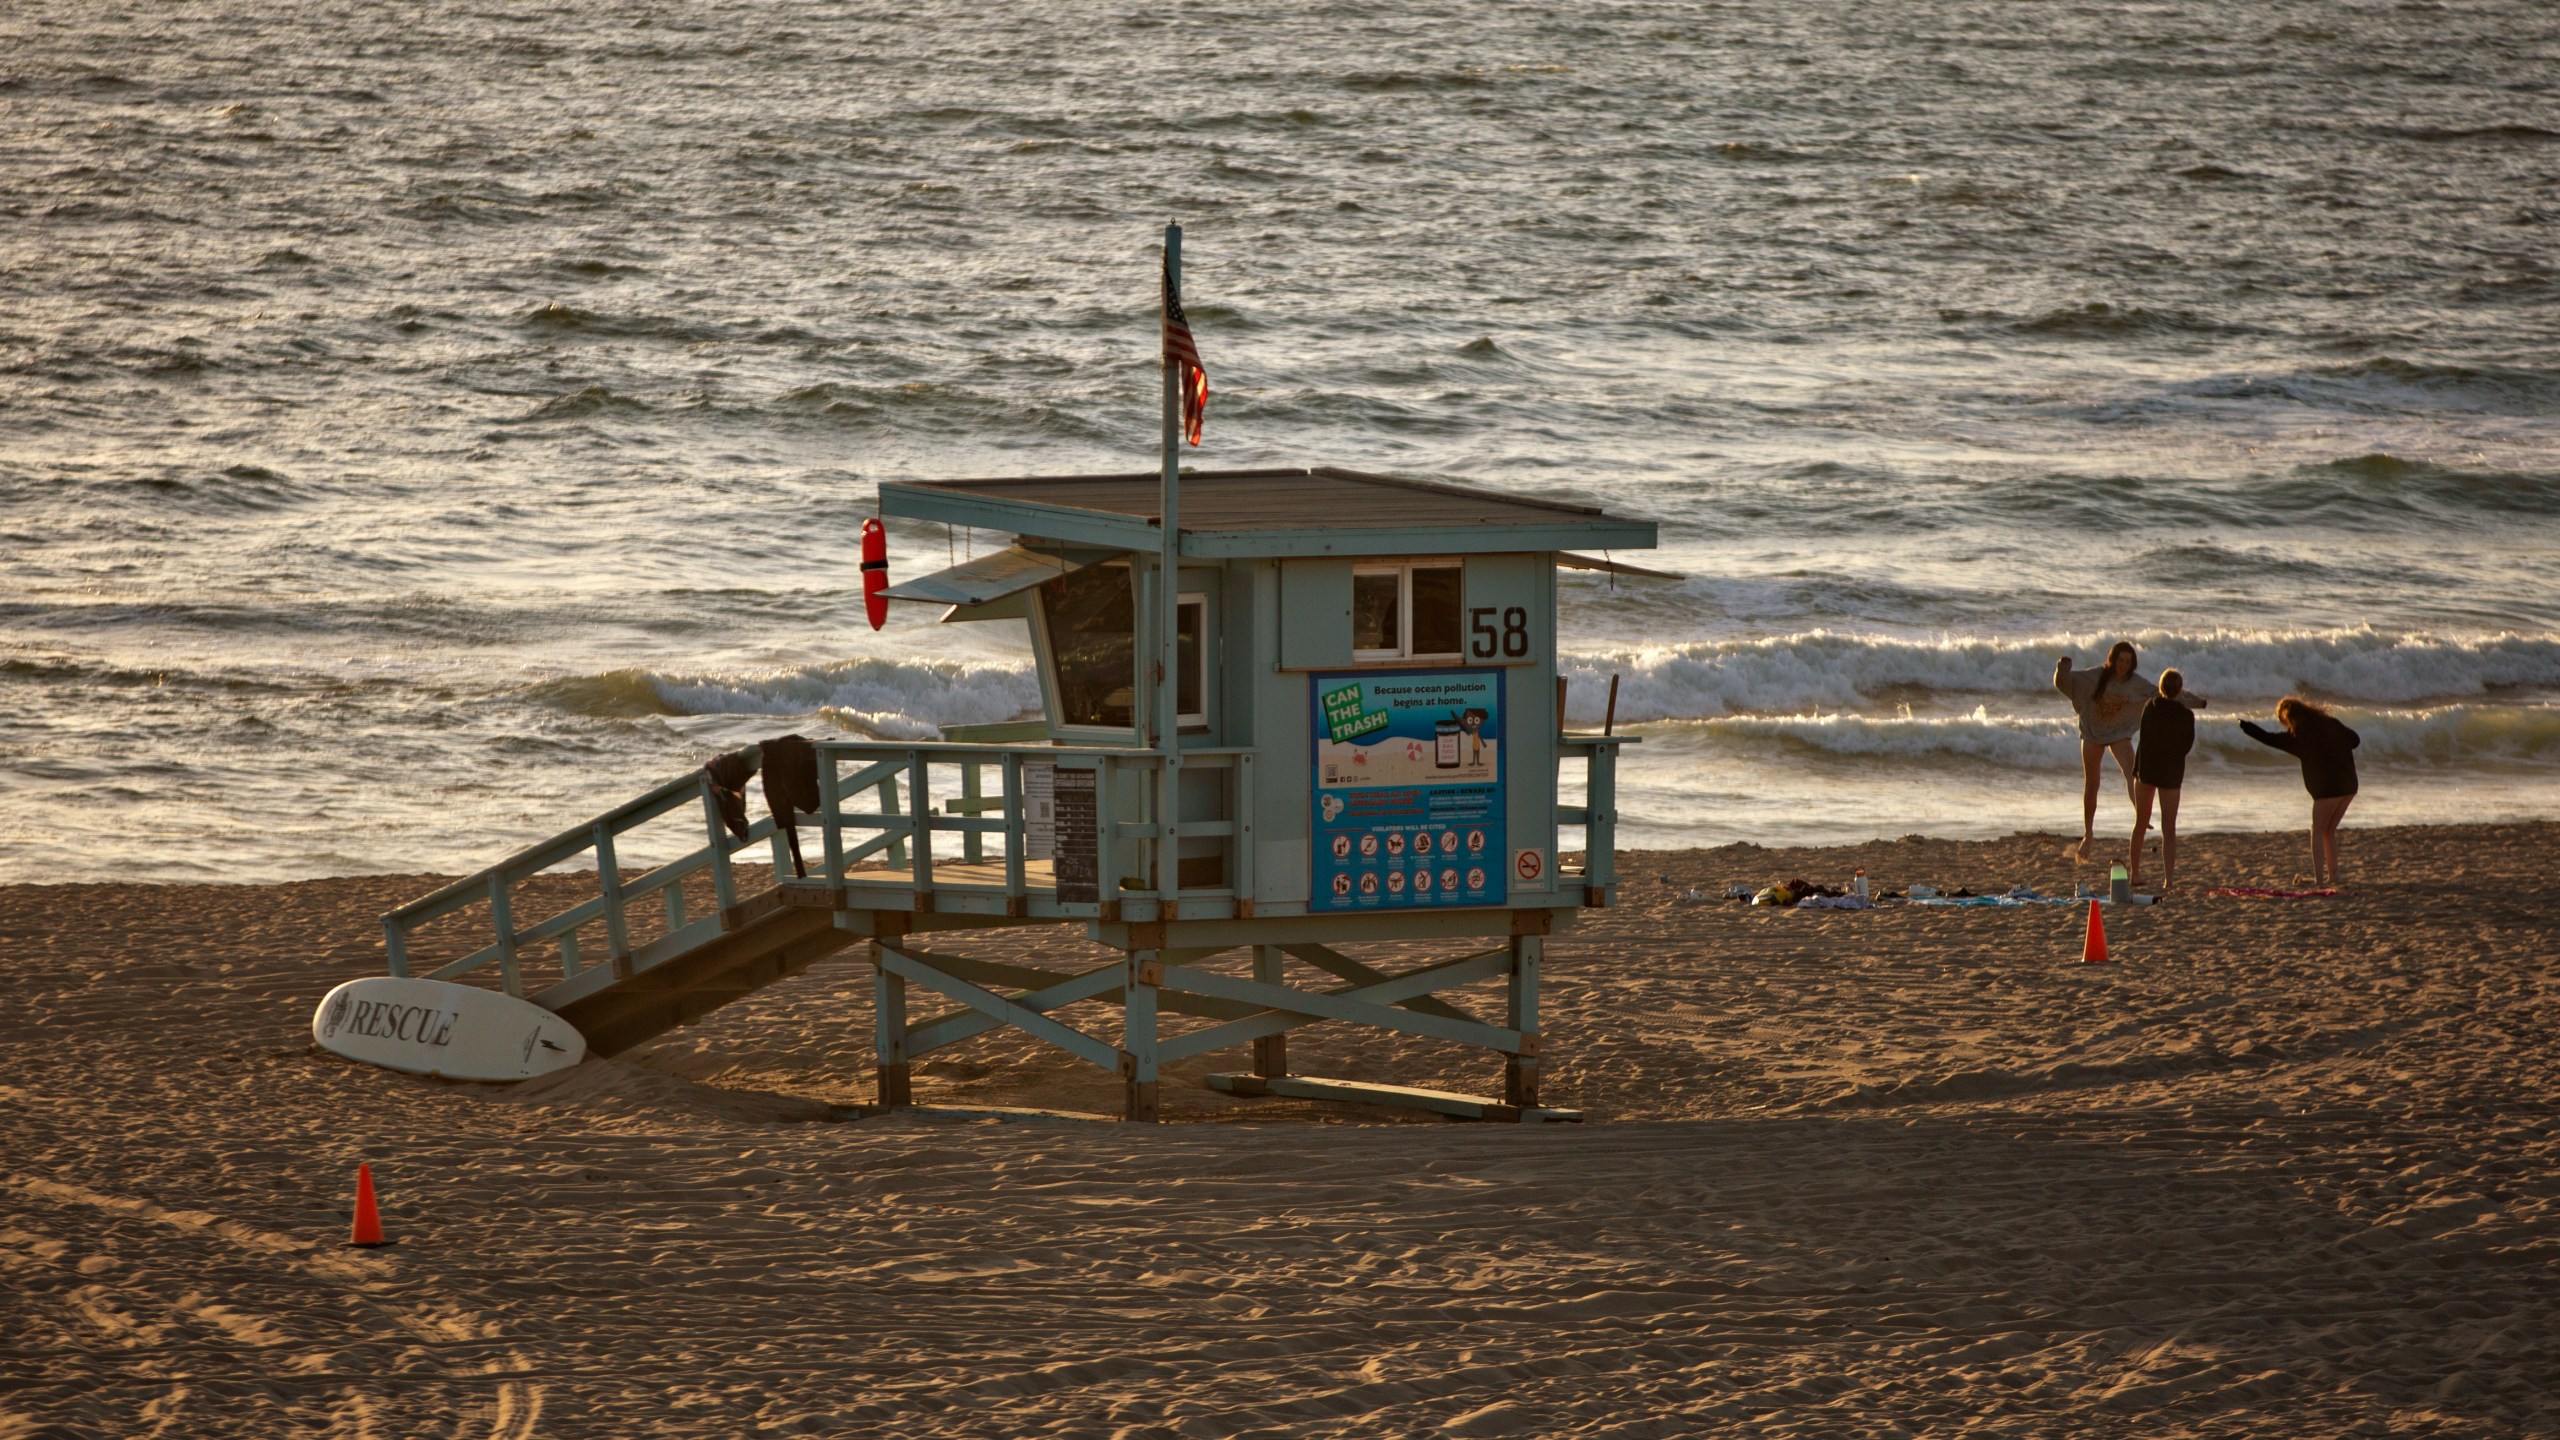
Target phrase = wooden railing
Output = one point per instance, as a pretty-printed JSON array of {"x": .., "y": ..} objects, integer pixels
[
  {"x": 941, "y": 816},
  {"x": 613, "y": 907},
  {"x": 931, "y": 804},
  {"x": 976, "y": 812},
  {"x": 1597, "y": 815}
]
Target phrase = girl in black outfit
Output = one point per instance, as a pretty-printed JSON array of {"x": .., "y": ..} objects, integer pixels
[
  {"x": 2159, "y": 768},
  {"x": 2327, "y": 750}
]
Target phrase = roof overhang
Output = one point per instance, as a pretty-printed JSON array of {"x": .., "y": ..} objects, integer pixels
[
  {"x": 1009, "y": 571},
  {"x": 1458, "y": 520},
  {"x": 1021, "y": 517},
  {"x": 1418, "y": 540},
  {"x": 1567, "y": 560}
]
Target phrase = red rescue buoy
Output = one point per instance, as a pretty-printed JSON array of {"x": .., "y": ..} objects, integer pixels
[{"x": 875, "y": 572}]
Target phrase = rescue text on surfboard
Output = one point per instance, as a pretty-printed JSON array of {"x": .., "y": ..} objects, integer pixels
[{"x": 425, "y": 1025}]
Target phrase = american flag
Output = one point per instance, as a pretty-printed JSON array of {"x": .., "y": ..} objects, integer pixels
[{"x": 1184, "y": 357}]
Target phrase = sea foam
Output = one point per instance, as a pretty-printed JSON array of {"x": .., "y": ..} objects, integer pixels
[
  {"x": 890, "y": 699},
  {"x": 2484, "y": 737},
  {"x": 1828, "y": 670}
]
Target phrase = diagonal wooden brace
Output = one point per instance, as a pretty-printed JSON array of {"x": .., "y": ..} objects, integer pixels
[
  {"x": 994, "y": 973},
  {"x": 1031, "y": 1022},
  {"x": 1372, "y": 1005},
  {"x": 959, "y": 1025},
  {"x": 1334, "y": 962}
]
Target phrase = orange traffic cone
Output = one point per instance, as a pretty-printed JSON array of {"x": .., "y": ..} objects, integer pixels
[
  {"x": 2093, "y": 950},
  {"x": 368, "y": 1229}
]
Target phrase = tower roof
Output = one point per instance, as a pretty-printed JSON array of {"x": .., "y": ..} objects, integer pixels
[{"x": 1268, "y": 512}]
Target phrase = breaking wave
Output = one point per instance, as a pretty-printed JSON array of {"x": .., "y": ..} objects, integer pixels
[
  {"x": 2464, "y": 736},
  {"x": 1820, "y": 670},
  {"x": 890, "y": 699},
  {"x": 2390, "y": 385},
  {"x": 579, "y": 404},
  {"x": 2098, "y": 320}
]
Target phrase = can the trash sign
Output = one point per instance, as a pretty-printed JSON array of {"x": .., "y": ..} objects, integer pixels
[
  {"x": 1408, "y": 787},
  {"x": 1346, "y": 719}
]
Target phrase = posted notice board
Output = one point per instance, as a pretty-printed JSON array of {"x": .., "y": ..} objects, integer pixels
[
  {"x": 1408, "y": 789},
  {"x": 1077, "y": 838}
]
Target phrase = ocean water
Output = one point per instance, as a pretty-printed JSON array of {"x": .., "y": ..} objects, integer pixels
[{"x": 422, "y": 425}]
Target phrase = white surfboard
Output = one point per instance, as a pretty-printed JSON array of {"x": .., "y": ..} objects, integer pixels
[{"x": 434, "y": 1027}]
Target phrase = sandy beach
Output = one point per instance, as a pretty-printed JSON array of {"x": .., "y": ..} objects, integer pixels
[{"x": 2284, "y": 1168}]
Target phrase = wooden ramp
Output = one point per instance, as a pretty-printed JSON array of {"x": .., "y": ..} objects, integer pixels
[{"x": 779, "y": 941}]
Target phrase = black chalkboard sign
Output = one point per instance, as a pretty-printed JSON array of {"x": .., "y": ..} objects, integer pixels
[{"x": 1079, "y": 849}]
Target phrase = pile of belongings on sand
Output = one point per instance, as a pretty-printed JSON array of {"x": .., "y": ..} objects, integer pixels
[
  {"x": 1803, "y": 894},
  {"x": 1798, "y": 893}
]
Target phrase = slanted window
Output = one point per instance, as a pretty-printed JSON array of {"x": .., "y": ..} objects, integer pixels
[
  {"x": 1090, "y": 617},
  {"x": 1406, "y": 611}
]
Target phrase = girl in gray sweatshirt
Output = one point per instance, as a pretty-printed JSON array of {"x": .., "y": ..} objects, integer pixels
[{"x": 2109, "y": 700}]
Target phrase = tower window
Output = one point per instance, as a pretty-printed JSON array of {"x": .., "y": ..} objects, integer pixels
[
  {"x": 1406, "y": 611},
  {"x": 1191, "y": 662}
]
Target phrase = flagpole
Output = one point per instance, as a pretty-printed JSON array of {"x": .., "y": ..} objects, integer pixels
[{"x": 1169, "y": 597}]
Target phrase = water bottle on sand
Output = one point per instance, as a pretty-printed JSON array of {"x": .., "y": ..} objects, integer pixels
[{"x": 2119, "y": 886}]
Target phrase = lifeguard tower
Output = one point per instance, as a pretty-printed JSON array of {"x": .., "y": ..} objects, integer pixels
[
  {"x": 1283, "y": 710},
  {"x": 1368, "y": 719}
]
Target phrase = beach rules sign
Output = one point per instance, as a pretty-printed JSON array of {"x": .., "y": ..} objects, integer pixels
[{"x": 1408, "y": 785}]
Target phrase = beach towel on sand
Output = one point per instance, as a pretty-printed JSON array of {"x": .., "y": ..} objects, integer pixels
[{"x": 2021, "y": 896}]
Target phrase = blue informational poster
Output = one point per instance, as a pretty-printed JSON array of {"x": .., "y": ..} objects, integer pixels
[{"x": 1408, "y": 789}]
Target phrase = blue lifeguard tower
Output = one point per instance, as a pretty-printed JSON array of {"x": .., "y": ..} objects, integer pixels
[{"x": 1282, "y": 710}]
